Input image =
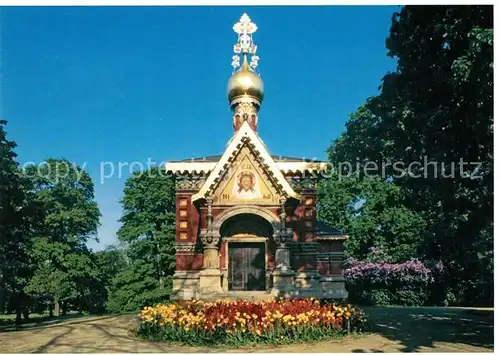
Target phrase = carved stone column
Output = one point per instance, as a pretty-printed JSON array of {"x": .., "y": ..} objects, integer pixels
[
  {"x": 282, "y": 238},
  {"x": 210, "y": 276},
  {"x": 283, "y": 213},
  {"x": 283, "y": 276},
  {"x": 210, "y": 240}
]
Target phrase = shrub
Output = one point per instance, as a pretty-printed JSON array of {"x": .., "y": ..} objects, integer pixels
[
  {"x": 243, "y": 322},
  {"x": 383, "y": 284}
]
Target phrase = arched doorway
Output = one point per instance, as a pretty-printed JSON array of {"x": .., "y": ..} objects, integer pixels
[{"x": 248, "y": 243}]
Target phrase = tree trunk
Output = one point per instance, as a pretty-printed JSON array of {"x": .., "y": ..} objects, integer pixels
[
  {"x": 25, "y": 305},
  {"x": 57, "y": 307},
  {"x": 3, "y": 297},
  {"x": 26, "y": 313},
  {"x": 18, "y": 313},
  {"x": 160, "y": 266}
]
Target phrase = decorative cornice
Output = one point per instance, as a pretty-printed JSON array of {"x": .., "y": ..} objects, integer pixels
[
  {"x": 337, "y": 256},
  {"x": 332, "y": 237},
  {"x": 197, "y": 168},
  {"x": 204, "y": 168},
  {"x": 188, "y": 183},
  {"x": 303, "y": 184},
  {"x": 300, "y": 167},
  {"x": 186, "y": 247}
]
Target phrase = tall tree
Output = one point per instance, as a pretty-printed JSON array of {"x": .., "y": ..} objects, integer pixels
[
  {"x": 110, "y": 262},
  {"x": 148, "y": 230},
  {"x": 436, "y": 111},
  {"x": 66, "y": 272},
  {"x": 372, "y": 212},
  {"x": 17, "y": 216}
]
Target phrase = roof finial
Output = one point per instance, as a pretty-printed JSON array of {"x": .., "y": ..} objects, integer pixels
[
  {"x": 245, "y": 89},
  {"x": 245, "y": 45}
]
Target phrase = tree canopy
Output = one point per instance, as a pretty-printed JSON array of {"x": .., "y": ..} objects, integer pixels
[
  {"x": 432, "y": 123},
  {"x": 148, "y": 231},
  {"x": 18, "y": 216},
  {"x": 65, "y": 269}
]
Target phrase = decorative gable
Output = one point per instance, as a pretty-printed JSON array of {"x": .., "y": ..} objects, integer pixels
[
  {"x": 245, "y": 181},
  {"x": 245, "y": 173}
]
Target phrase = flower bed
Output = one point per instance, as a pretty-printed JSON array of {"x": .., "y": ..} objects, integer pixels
[{"x": 244, "y": 322}]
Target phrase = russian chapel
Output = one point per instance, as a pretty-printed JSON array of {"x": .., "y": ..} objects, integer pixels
[{"x": 246, "y": 220}]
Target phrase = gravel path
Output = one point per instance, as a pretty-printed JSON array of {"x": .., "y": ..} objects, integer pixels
[{"x": 391, "y": 330}]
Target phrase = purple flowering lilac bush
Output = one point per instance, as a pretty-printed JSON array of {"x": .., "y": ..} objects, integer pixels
[{"x": 381, "y": 283}]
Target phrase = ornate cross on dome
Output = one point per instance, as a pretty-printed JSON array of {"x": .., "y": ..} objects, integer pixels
[{"x": 245, "y": 45}]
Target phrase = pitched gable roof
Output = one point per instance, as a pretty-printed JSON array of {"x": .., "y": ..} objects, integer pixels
[{"x": 245, "y": 135}]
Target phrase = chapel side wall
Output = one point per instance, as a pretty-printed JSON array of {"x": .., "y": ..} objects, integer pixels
[
  {"x": 304, "y": 216},
  {"x": 302, "y": 219},
  {"x": 188, "y": 257},
  {"x": 330, "y": 257}
]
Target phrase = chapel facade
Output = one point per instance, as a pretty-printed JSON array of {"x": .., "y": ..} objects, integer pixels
[{"x": 246, "y": 220}]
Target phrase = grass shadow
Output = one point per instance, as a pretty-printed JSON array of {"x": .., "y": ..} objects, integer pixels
[
  {"x": 423, "y": 327},
  {"x": 53, "y": 341},
  {"x": 39, "y": 323}
]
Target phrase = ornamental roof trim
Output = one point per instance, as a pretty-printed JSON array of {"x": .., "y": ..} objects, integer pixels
[
  {"x": 326, "y": 232},
  {"x": 199, "y": 167},
  {"x": 244, "y": 134},
  {"x": 332, "y": 237},
  {"x": 216, "y": 158}
]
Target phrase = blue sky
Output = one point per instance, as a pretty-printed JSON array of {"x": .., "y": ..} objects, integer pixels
[{"x": 128, "y": 84}]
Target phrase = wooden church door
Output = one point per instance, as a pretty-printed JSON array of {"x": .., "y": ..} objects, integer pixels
[{"x": 247, "y": 266}]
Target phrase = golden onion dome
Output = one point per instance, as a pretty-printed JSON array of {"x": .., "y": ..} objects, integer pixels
[{"x": 245, "y": 82}]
